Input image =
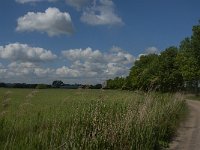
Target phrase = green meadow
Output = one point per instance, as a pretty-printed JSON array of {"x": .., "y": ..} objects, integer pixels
[{"x": 87, "y": 119}]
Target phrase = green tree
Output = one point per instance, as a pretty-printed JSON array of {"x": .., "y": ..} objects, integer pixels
[
  {"x": 170, "y": 78},
  {"x": 57, "y": 83},
  {"x": 189, "y": 57},
  {"x": 116, "y": 83},
  {"x": 143, "y": 74}
]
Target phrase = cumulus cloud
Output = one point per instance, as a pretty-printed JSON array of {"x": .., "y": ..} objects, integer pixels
[
  {"x": 52, "y": 21},
  {"x": 67, "y": 72},
  {"x": 20, "y": 68},
  {"x": 83, "y": 54},
  {"x": 44, "y": 72},
  {"x": 28, "y": 70},
  {"x": 95, "y": 64},
  {"x": 88, "y": 54},
  {"x": 114, "y": 69},
  {"x": 101, "y": 14},
  {"x": 24, "y": 52}
]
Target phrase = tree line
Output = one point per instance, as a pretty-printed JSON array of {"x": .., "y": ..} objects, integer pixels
[
  {"x": 55, "y": 84},
  {"x": 174, "y": 69}
]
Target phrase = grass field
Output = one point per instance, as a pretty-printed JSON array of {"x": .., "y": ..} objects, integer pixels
[{"x": 87, "y": 119}]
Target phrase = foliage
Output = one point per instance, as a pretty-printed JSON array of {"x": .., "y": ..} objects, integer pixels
[
  {"x": 87, "y": 119},
  {"x": 57, "y": 83},
  {"x": 169, "y": 74},
  {"x": 143, "y": 74},
  {"x": 116, "y": 83}
]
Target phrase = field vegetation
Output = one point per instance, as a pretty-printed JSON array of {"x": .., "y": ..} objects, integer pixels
[{"x": 87, "y": 119}]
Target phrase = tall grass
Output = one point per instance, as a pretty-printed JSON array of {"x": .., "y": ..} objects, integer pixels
[{"x": 88, "y": 119}]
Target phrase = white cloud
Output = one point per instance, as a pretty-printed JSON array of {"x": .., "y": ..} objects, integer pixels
[
  {"x": 94, "y": 12},
  {"x": 89, "y": 69},
  {"x": 101, "y": 14},
  {"x": 23, "y": 52},
  {"x": 95, "y": 64},
  {"x": 96, "y": 56},
  {"x": 20, "y": 70},
  {"x": 83, "y": 54},
  {"x": 114, "y": 69},
  {"x": 44, "y": 72},
  {"x": 67, "y": 72},
  {"x": 52, "y": 21}
]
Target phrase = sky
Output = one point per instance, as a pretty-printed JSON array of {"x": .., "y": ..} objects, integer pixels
[{"x": 86, "y": 41}]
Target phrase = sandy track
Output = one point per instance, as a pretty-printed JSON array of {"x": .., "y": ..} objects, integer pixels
[{"x": 188, "y": 137}]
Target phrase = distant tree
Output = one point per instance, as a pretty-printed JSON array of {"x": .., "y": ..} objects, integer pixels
[
  {"x": 57, "y": 83},
  {"x": 97, "y": 86},
  {"x": 42, "y": 86},
  {"x": 2, "y": 85}
]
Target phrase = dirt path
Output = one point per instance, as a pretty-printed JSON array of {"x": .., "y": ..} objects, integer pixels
[{"x": 189, "y": 133}]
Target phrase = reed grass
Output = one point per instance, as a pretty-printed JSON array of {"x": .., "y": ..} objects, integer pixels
[{"x": 88, "y": 119}]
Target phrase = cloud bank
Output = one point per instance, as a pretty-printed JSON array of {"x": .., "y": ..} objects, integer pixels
[
  {"x": 33, "y": 64},
  {"x": 24, "y": 52}
]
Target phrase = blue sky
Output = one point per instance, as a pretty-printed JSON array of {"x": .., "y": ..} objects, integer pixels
[{"x": 86, "y": 41}]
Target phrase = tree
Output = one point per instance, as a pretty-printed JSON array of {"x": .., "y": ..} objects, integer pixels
[
  {"x": 2, "y": 84},
  {"x": 167, "y": 71},
  {"x": 188, "y": 64},
  {"x": 143, "y": 74},
  {"x": 57, "y": 83},
  {"x": 170, "y": 78},
  {"x": 189, "y": 57},
  {"x": 116, "y": 83}
]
